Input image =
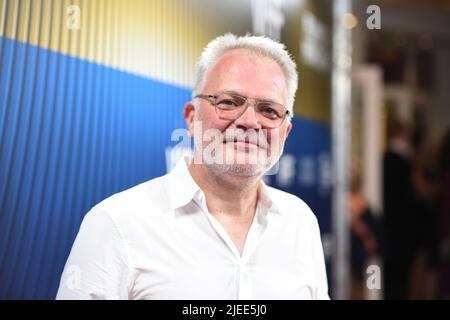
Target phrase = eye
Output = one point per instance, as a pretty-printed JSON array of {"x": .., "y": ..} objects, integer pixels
[
  {"x": 268, "y": 110},
  {"x": 230, "y": 102}
]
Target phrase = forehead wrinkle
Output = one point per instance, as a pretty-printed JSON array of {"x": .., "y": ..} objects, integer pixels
[
  {"x": 232, "y": 92},
  {"x": 238, "y": 80},
  {"x": 237, "y": 71}
]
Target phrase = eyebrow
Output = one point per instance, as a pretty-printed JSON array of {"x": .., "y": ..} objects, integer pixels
[{"x": 232, "y": 92}]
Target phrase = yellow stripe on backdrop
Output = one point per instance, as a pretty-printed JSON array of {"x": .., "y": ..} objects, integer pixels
[{"x": 156, "y": 38}]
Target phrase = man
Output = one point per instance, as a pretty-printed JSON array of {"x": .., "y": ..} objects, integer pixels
[{"x": 211, "y": 229}]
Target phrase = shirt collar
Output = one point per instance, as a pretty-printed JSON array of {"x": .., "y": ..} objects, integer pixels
[
  {"x": 183, "y": 188},
  {"x": 266, "y": 199}
]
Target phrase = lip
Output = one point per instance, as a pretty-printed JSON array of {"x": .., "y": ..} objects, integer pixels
[{"x": 245, "y": 145}]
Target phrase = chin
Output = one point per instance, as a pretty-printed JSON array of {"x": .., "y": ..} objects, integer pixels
[
  {"x": 240, "y": 170},
  {"x": 245, "y": 170}
]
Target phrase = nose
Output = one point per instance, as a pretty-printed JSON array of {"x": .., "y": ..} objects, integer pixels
[{"x": 248, "y": 120}]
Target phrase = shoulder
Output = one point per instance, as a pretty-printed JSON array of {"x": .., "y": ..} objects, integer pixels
[{"x": 147, "y": 198}]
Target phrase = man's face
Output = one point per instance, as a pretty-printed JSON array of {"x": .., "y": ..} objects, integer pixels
[{"x": 249, "y": 75}]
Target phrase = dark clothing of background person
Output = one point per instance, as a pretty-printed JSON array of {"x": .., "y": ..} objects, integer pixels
[
  {"x": 399, "y": 224},
  {"x": 444, "y": 219},
  {"x": 359, "y": 251}
]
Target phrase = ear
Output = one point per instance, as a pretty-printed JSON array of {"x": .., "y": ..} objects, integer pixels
[
  {"x": 288, "y": 129},
  {"x": 188, "y": 114}
]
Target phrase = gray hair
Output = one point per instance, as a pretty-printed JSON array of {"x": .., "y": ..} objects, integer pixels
[{"x": 257, "y": 44}]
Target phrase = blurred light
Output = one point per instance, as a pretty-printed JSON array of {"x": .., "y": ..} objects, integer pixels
[{"x": 349, "y": 21}]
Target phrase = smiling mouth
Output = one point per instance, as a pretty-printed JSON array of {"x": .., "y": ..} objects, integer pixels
[{"x": 245, "y": 142}]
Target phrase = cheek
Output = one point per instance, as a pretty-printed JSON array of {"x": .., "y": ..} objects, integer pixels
[
  {"x": 276, "y": 139},
  {"x": 275, "y": 135},
  {"x": 210, "y": 120}
]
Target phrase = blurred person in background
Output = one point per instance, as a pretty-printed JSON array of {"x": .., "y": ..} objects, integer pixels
[
  {"x": 399, "y": 223},
  {"x": 365, "y": 232},
  {"x": 425, "y": 187},
  {"x": 444, "y": 218}
]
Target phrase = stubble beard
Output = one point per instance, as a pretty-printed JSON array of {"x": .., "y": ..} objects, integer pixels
[{"x": 223, "y": 157}]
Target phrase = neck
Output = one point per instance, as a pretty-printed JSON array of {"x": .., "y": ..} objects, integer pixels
[{"x": 227, "y": 195}]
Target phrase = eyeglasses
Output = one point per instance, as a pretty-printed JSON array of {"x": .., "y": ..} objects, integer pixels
[{"x": 230, "y": 106}]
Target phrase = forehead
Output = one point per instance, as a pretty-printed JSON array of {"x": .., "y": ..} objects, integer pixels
[{"x": 247, "y": 73}]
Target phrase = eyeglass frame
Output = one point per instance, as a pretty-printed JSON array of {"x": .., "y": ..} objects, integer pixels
[{"x": 208, "y": 97}]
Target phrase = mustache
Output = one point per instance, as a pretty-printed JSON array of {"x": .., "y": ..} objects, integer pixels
[{"x": 250, "y": 136}]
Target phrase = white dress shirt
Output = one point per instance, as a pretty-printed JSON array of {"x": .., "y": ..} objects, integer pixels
[{"x": 157, "y": 240}]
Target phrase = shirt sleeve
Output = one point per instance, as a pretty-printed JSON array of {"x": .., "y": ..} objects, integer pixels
[
  {"x": 319, "y": 265},
  {"x": 98, "y": 265}
]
